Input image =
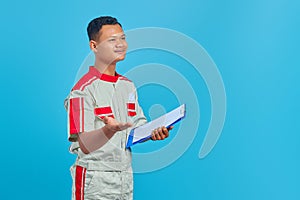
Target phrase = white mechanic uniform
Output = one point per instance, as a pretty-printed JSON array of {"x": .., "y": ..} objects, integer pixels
[{"x": 105, "y": 173}]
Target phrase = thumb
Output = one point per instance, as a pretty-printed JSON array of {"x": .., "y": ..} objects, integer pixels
[
  {"x": 105, "y": 119},
  {"x": 125, "y": 126},
  {"x": 128, "y": 124}
]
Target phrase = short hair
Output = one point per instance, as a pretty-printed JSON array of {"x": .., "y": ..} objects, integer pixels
[{"x": 96, "y": 24}]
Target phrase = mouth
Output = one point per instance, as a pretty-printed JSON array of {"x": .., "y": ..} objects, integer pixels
[{"x": 120, "y": 51}]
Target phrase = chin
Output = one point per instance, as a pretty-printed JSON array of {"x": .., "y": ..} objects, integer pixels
[{"x": 120, "y": 58}]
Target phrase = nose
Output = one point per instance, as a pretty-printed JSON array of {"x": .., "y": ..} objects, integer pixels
[{"x": 121, "y": 43}]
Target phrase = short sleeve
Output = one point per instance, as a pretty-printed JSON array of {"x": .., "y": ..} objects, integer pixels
[{"x": 80, "y": 109}]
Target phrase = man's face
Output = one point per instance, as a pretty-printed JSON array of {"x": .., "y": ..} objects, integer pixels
[{"x": 111, "y": 45}]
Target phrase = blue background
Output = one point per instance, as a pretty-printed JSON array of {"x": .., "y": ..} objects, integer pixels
[{"x": 255, "y": 45}]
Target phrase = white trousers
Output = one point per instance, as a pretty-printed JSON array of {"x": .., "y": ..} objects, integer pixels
[{"x": 101, "y": 185}]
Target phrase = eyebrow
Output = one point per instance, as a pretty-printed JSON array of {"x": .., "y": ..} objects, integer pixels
[{"x": 114, "y": 36}]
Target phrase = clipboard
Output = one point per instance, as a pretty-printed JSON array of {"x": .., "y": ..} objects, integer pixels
[{"x": 142, "y": 133}]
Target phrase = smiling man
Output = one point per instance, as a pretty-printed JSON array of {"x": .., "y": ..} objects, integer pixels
[{"x": 102, "y": 108}]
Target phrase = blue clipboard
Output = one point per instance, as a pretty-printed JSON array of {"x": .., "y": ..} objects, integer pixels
[{"x": 142, "y": 133}]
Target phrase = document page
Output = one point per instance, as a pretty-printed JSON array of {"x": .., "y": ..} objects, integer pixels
[{"x": 143, "y": 132}]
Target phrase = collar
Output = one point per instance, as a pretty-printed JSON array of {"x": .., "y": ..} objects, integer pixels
[{"x": 104, "y": 77}]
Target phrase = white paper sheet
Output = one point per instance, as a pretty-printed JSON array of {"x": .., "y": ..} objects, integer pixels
[{"x": 143, "y": 132}]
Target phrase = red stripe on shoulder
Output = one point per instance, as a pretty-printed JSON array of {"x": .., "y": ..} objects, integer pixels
[
  {"x": 86, "y": 80},
  {"x": 124, "y": 78}
]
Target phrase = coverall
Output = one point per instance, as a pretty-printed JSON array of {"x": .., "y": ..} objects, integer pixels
[{"x": 105, "y": 173}]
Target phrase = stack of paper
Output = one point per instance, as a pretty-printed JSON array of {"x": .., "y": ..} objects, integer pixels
[{"x": 144, "y": 132}]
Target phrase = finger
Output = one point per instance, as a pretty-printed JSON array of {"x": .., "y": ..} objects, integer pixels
[
  {"x": 170, "y": 128},
  {"x": 153, "y": 137},
  {"x": 166, "y": 132},
  {"x": 159, "y": 134},
  {"x": 154, "y": 133},
  {"x": 105, "y": 119},
  {"x": 125, "y": 125},
  {"x": 109, "y": 120},
  {"x": 158, "y": 137}
]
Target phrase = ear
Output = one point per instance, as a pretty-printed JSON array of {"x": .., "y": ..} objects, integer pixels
[{"x": 93, "y": 45}]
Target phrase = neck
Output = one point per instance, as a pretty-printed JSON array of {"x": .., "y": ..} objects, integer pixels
[{"x": 106, "y": 69}]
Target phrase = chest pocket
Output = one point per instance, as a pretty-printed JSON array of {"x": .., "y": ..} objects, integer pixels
[
  {"x": 131, "y": 109},
  {"x": 101, "y": 112}
]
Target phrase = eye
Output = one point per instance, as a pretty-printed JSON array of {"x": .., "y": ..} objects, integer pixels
[
  {"x": 123, "y": 38},
  {"x": 112, "y": 40}
]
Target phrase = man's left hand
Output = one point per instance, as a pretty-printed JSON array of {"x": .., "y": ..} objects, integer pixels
[{"x": 161, "y": 133}]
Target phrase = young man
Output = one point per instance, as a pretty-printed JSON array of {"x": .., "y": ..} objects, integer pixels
[{"x": 102, "y": 109}]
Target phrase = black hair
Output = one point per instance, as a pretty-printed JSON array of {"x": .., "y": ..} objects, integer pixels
[{"x": 96, "y": 24}]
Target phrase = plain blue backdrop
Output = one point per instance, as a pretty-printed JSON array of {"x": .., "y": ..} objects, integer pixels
[{"x": 255, "y": 45}]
